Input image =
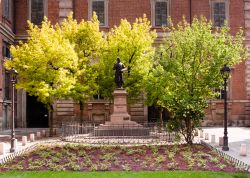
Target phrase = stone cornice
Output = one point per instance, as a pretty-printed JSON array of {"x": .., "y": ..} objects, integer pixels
[
  {"x": 21, "y": 37},
  {"x": 7, "y": 32}
]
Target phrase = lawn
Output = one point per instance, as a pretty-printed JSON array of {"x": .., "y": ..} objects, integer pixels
[
  {"x": 175, "y": 174},
  {"x": 78, "y": 157}
]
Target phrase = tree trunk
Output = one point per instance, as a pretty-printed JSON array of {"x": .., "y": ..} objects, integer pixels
[
  {"x": 161, "y": 119},
  {"x": 189, "y": 131},
  {"x": 81, "y": 112},
  {"x": 51, "y": 121}
]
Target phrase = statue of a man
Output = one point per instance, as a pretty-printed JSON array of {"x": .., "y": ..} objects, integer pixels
[{"x": 119, "y": 68}]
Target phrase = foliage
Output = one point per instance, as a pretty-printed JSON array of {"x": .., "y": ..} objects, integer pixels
[
  {"x": 133, "y": 44},
  {"x": 187, "y": 68},
  {"x": 56, "y": 61},
  {"x": 88, "y": 42},
  {"x": 45, "y": 69}
]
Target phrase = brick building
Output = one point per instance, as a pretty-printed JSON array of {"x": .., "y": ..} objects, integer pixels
[{"x": 29, "y": 113}]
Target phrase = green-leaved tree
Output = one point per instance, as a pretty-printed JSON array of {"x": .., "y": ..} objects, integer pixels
[
  {"x": 188, "y": 69},
  {"x": 46, "y": 65},
  {"x": 132, "y": 43},
  {"x": 88, "y": 42}
]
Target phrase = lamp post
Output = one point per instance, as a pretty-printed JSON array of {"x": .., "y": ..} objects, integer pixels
[
  {"x": 13, "y": 75},
  {"x": 225, "y": 72}
]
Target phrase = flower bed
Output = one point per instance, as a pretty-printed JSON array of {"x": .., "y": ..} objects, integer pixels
[{"x": 78, "y": 157}]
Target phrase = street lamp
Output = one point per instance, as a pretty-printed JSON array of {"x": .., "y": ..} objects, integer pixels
[
  {"x": 13, "y": 75},
  {"x": 225, "y": 72}
]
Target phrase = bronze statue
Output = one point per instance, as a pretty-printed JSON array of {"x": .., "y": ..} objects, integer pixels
[{"x": 119, "y": 68}]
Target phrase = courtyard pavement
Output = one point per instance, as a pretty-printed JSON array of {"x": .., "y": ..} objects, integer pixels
[
  {"x": 236, "y": 137},
  {"x": 5, "y": 137}
]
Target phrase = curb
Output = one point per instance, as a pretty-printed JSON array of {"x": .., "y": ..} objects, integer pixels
[
  {"x": 25, "y": 150},
  {"x": 227, "y": 156}
]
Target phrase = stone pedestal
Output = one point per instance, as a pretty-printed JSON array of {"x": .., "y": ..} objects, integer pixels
[
  {"x": 120, "y": 123},
  {"x": 120, "y": 114}
]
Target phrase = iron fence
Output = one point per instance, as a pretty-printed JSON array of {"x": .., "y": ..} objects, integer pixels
[{"x": 144, "y": 133}]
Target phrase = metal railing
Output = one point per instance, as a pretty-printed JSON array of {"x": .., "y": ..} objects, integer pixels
[{"x": 143, "y": 133}]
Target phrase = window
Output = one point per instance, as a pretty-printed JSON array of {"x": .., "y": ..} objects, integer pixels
[
  {"x": 219, "y": 12},
  {"x": 100, "y": 8},
  {"x": 7, "y": 94},
  {"x": 160, "y": 12},
  {"x": 220, "y": 92},
  {"x": 98, "y": 97},
  {"x": 6, "y": 9},
  {"x": 7, "y": 83},
  {"x": 37, "y": 11}
]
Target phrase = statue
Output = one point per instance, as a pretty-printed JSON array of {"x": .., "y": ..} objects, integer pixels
[{"x": 119, "y": 68}]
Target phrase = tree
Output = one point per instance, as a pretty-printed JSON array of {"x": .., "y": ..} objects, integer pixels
[
  {"x": 189, "y": 68},
  {"x": 46, "y": 64},
  {"x": 156, "y": 86},
  {"x": 88, "y": 42},
  {"x": 133, "y": 45}
]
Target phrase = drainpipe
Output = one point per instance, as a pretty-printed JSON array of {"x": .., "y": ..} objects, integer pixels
[
  {"x": 190, "y": 11},
  {"x": 74, "y": 8}
]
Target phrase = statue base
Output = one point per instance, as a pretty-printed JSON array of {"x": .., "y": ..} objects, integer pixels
[{"x": 120, "y": 123}]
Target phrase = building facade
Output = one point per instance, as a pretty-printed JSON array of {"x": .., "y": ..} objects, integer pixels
[{"x": 13, "y": 25}]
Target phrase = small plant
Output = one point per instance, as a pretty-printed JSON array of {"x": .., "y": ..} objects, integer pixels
[
  {"x": 126, "y": 167},
  {"x": 171, "y": 155},
  {"x": 75, "y": 167},
  {"x": 108, "y": 157},
  {"x": 144, "y": 165},
  {"x": 57, "y": 168},
  {"x": 160, "y": 159},
  {"x": 93, "y": 167},
  {"x": 154, "y": 149},
  {"x": 172, "y": 165},
  {"x": 130, "y": 152},
  {"x": 221, "y": 166},
  {"x": 58, "y": 155},
  {"x": 137, "y": 160},
  {"x": 202, "y": 163},
  {"x": 17, "y": 167},
  {"x": 55, "y": 159},
  {"x": 82, "y": 153},
  {"x": 104, "y": 166},
  {"x": 214, "y": 159},
  {"x": 44, "y": 154},
  {"x": 88, "y": 161}
]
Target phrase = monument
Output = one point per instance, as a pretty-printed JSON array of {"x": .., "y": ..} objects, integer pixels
[{"x": 120, "y": 123}]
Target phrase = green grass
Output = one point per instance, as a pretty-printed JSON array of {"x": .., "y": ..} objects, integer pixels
[{"x": 175, "y": 174}]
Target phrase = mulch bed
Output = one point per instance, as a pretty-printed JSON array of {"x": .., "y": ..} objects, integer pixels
[{"x": 121, "y": 158}]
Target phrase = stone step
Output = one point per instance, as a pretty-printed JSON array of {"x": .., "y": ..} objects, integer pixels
[
  {"x": 137, "y": 118},
  {"x": 139, "y": 113},
  {"x": 65, "y": 113},
  {"x": 65, "y": 101},
  {"x": 137, "y": 105},
  {"x": 65, "y": 105},
  {"x": 65, "y": 109},
  {"x": 136, "y": 109}
]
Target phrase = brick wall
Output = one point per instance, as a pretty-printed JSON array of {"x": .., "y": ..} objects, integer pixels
[
  {"x": 131, "y": 9},
  {"x": 21, "y": 17}
]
